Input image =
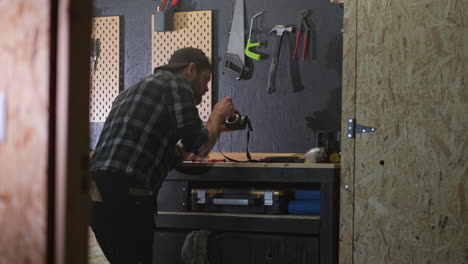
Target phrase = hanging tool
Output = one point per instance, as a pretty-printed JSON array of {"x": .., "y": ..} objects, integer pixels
[
  {"x": 302, "y": 25},
  {"x": 174, "y": 3},
  {"x": 171, "y": 4},
  {"x": 162, "y": 5},
  {"x": 94, "y": 53},
  {"x": 235, "y": 59},
  {"x": 250, "y": 45},
  {"x": 279, "y": 30}
]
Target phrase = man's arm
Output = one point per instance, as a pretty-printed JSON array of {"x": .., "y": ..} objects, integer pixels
[
  {"x": 200, "y": 140},
  {"x": 221, "y": 111}
]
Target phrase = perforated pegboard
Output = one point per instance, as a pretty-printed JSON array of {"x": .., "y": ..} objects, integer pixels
[
  {"x": 105, "y": 77},
  {"x": 191, "y": 29}
]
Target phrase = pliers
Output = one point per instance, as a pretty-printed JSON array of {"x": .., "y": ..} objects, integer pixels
[{"x": 302, "y": 25}]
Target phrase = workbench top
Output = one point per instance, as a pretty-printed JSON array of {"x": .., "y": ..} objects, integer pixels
[{"x": 215, "y": 159}]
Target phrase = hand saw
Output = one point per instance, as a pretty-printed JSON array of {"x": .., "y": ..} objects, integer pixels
[{"x": 235, "y": 60}]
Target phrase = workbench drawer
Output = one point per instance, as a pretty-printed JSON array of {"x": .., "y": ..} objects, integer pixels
[
  {"x": 248, "y": 248},
  {"x": 173, "y": 196}
]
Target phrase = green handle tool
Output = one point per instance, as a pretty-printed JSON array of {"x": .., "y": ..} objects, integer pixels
[{"x": 249, "y": 45}]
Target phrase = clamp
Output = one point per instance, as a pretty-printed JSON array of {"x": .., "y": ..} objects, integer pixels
[{"x": 302, "y": 25}]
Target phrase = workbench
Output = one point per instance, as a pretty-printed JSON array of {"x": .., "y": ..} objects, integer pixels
[{"x": 251, "y": 238}]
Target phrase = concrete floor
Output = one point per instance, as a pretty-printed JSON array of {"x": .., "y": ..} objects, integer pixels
[{"x": 95, "y": 255}]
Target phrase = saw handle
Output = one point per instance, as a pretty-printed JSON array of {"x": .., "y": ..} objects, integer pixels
[{"x": 233, "y": 66}]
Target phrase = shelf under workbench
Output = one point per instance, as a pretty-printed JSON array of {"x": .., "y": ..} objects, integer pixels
[
  {"x": 175, "y": 211},
  {"x": 298, "y": 224}
]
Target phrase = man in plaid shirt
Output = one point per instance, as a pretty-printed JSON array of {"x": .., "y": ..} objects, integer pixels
[{"x": 138, "y": 146}]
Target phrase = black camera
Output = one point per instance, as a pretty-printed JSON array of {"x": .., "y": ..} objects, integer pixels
[{"x": 236, "y": 121}]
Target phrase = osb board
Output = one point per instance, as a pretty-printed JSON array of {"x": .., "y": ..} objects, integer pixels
[
  {"x": 191, "y": 29},
  {"x": 105, "y": 77},
  {"x": 347, "y": 145},
  {"x": 410, "y": 181},
  {"x": 24, "y": 56}
]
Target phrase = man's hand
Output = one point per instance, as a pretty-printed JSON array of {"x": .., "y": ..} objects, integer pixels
[
  {"x": 224, "y": 128},
  {"x": 184, "y": 154},
  {"x": 224, "y": 108}
]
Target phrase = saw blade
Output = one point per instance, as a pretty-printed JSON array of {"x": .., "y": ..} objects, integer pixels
[{"x": 236, "y": 38}]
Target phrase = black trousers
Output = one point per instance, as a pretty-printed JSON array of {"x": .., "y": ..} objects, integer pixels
[{"x": 123, "y": 224}]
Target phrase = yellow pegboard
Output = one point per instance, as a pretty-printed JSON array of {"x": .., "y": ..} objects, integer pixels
[
  {"x": 105, "y": 78},
  {"x": 191, "y": 29}
]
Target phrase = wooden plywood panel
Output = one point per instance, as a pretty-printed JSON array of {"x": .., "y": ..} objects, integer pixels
[
  {"x": 347, "y": 145},
  {"x": 24, "y": 60},
  {"x": 411, "y": 174},
  {"x": 191, "y": 29},
  {"x": 105, "y": 78}
]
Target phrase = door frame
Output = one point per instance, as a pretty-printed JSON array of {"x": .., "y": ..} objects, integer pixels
[
  {"x": 346, "y": 221},
  {"x": 69, "y": 203}
]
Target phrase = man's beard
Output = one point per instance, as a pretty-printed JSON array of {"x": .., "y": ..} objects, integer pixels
[{"x": 196, "y": 91}]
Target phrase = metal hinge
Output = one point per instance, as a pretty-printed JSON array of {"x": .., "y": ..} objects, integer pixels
[
  {"x": 201, "y": 197},
  {"x": 268, "y": 198},
  {"x": 354, "y": 128}
]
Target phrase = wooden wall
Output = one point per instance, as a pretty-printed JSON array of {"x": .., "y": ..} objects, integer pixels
[
  {"x": 24, "y": 72},
  {"x": 410, "y": 176}
]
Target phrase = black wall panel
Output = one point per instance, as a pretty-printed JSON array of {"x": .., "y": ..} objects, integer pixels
[{"x": 285, "y": 121}]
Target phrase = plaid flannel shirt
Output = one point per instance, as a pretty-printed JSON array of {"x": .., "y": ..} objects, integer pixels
[{"x": 143, "y": 127}]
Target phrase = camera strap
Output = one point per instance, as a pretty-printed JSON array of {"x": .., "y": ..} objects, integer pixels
[{"x": 247, "y": 153}]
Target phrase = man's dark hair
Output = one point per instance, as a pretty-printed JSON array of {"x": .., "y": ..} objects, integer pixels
[{"x": 183, "y": 57}]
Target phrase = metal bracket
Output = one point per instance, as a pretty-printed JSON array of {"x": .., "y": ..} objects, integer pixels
[
  {"x": 268, "y": 197},
  {"x": 201, "y": 197},
  {"x": 354, "y": 128},
  {"x": 95, "y": 51}
]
